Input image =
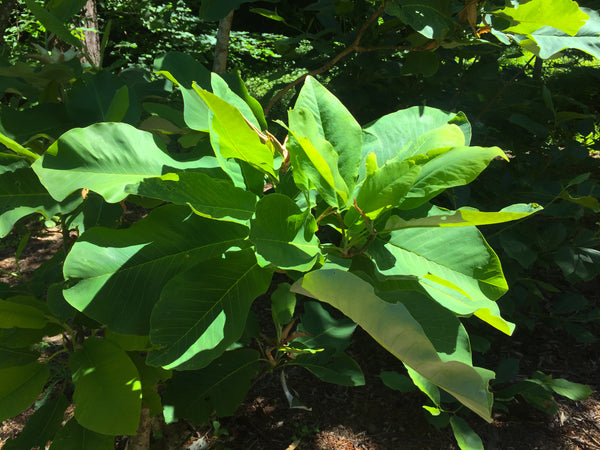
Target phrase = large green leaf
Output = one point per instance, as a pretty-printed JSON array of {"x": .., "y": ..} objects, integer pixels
[
  {"x": 41, "y": 426},
  {"x": 283, "y": 234},
  {"x": 336, "y": 125},
  {"x": 10, "y": 357},
  {"x": 315, "y": 158},
  {"x": 107, "y": 396},
  {"x": 530, "y": 16},
  {"x": 220, "y": 387},
  {"x": 455, "y": 167},
  {"x": 442, "y": 217},
  {"x": 222, "y": 90},
  {"x": 74, "y": 437},
  {"x": 104, "y": 158},
  {"x": 183, "y": 71},
  {"x": 21, "y": 194},
  {"x": 202, "y": 311},
  {"x": 207, "y": 196},
  {"x": 118, "y": 274},
  {"x": 397, "y": 331},
  {"x": 16, "y": 314},
  {"x": 43, "y": 119},
  {"x": 20, "y": 386},
  {"x": 465, "y": 277},
  {"x": 431, "y": 18},
  {"x": 547, "y": 41},
  {"x": 394, "y": 134},
  {"x": 232, "y": 137},
  {"x": 323, "y": 330}
]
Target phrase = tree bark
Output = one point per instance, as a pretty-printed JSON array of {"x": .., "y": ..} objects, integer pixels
[
  {"x": 92, "y": 38},
  {"x": 141, "y": 441},
  {"x": 222, "y": 46}
]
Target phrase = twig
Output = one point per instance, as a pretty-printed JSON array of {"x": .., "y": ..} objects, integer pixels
[
  {"x": 508, "y": 83},
  {"x": 328, "y": 65}
]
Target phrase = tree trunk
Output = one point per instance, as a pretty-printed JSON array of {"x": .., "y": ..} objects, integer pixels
[
  {"x": 141, "y": 441},
  {"x": 221, "y": 48},
  {"x": 92, "y": 38}
]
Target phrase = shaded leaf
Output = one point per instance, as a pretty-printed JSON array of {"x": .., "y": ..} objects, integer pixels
[
  {"x": 20, "y": 386},
  {"x": 75, "y": 437}
]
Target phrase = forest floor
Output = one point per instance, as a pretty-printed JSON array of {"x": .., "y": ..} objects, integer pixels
[{"x": 373, "y": 417}]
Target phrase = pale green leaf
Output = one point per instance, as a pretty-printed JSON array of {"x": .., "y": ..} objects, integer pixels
[
  {"x": 397, "y": 331},
  {"x": 198, "y": 317},
  {"x": 283, "y": 234},
  {"x": 117, "y": 275},
  {"x": 107, "y": 396},
  {"x": 463, "y": 217},
  {"x": 528, "y": 17},
  {"x": 232, "y": 137}
]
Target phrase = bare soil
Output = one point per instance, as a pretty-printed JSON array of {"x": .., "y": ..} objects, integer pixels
[{"x": 372, "y": 417}]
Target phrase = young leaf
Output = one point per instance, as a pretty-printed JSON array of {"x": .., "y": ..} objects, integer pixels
[
  {"x": 198, "y": 317},
  {"x": 283, "y": 304},
  {"x": 107, "y": 394},
  {"x": 316, "y": 158},
  {"x": 283, "y": 234},
  {"x": 336, "y": 125},
  {"x": 232, "y": 137},
  {"x": 397, "y": 331},
  {"x": 137, "y": 262}
]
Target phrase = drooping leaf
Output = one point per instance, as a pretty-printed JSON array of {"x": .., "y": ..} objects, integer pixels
[
  {"x": 183, "y": 71},
  {"x": 465, "y": 277},
  {"x": 466, "y": 438},
  {"x": 220, "y": 387},
  {"x": 396, "y": 381},
  {"x": 232, "y": 137},
  {"x": 574, "y": 391},
  {"x": 315, "y": 158},
  {"x": 104, "y": 157},
  {"x": 41, "y": 426},
  {"x": 119, "y": 274},
  {"x": 22, "y": 194},
  {"x": 336, "y": 125},
  {"x": 75, "y": 437},
  {"x": 202, "y": 311},
  {"x": 107, "y": 394},
  {"x": 283, "y": 234},
  {"x": 464, "y": 217},
  {"x": 283, "y": 305},
  {"x": 206, "y": 195},
  {"x": 397, "y": 331},
  {"x": 528, "y": 17},
  {"x": 455, "y": 167},
  {"x": 20, "y": 386}
]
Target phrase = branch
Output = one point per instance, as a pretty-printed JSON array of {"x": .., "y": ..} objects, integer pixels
[{"x": 328, "y": 65}]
